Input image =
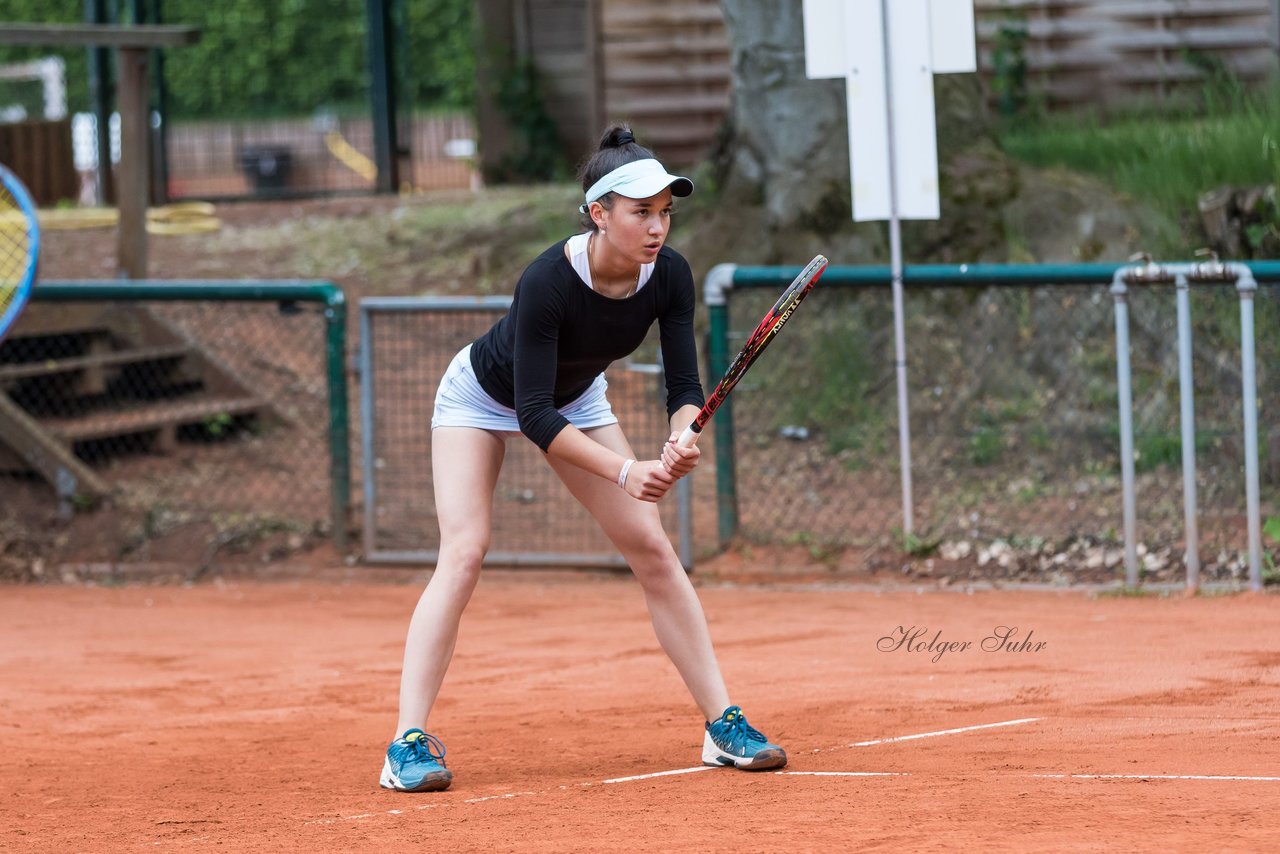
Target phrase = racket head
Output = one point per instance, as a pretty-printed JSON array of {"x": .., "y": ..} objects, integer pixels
[
  {"x": 774, "y": 320},
  {"x": 19, "y": 247},
  {"x": 764, "y": 333},
  {"x": 802, "y": 282},
  {"x": 787, "y": 303}
]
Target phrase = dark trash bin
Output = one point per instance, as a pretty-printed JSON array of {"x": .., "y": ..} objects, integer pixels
[{"x": 267, "y": 167}]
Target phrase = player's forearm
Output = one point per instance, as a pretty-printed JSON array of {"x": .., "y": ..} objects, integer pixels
[
  {"x": 683, "y": 417},
  {"x": 576, "y": 448}
]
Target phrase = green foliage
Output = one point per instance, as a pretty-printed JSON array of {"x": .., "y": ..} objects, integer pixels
[
  {"x": 75, "y": 59},
  {"x": 218, "y": 424},
  {"x": 985, "y": 444},
  {"x": 1271, "y": 527},
  {"x": 831, "y": 393},
  {"x": 1009, "y": 63},
  {"x": 1155, "y": 449},
  {"x": 258, "y": 59},
  {"x": 816, "y": 549},
  {"x": 535, "y": 152},
  {"x": 1165, "y": 158},
  {"x": 1040, "y": 439},
  {"x": 441, "y": 61},
  {"x": 287, "y": 57},
  {"x": 916, "y": 545}
]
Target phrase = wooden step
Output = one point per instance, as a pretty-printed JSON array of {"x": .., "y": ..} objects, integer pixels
[
  {"x": 27, "y": 446},
  {"x": 44, "y": 319},
  {"x": 114, "y": 358},
  {"x": 160, "y": 416}
]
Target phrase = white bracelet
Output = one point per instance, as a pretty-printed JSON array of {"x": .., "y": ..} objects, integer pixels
[{"x": 622, "y": 475}]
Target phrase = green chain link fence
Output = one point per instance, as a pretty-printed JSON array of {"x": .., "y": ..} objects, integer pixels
[
  {"x": 175, "y": 421},
  {"x": 1013, "y": 416}
]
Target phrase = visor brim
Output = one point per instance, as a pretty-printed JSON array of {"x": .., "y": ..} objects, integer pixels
[{"x": 650, "y": 185}]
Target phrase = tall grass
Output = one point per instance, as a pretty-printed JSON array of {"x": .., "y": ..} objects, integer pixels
[{"x": 1165, "y": 158}]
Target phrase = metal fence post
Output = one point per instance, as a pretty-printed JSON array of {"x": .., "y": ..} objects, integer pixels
[
  {"x": 335, "y": 315},
  {"x": 1120, "y": 293},
  {"x": 1247, "y": 287},
  {"x": 717, "y": 283},
  {"x": 1186, "y": 390}
]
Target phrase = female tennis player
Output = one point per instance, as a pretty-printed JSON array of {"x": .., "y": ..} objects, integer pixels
[{"x": 582, "y": 304}]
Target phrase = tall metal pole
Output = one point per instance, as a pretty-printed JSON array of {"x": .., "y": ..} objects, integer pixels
[
  {"x": 160, "y": 182},
  {"x": 1120, "y": 293},
  {"x": 1186, "y": 395},
  {"x": 1247, "y": 287},
  {"x": 135, "y": 159},
  {"x": 95, "y": 12},
  {"x": 895, "y": 261},
  {"x": 382, "y": 94}
]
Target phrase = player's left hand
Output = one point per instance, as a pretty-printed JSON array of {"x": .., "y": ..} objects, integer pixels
[{"x": 679, "y": 461}]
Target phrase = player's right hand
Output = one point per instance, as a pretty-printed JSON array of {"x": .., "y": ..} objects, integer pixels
[{"x": 648, "y": 480}]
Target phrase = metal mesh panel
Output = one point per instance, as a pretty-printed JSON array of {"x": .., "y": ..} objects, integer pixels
[
  {"x": 183, "y": 429},
  {"x": 406, "y": 346},
  {"x": 1219, "y": 420},
  {"x": 1014, "y": 417},
  {"x": 1013, "y": 409},
  {"x": 813, "y": 420}
]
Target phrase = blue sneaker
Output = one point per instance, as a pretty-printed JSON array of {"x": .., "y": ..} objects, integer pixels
[
  {"x": 415, "y": 763},
  {"x": 730, "y": 740}
]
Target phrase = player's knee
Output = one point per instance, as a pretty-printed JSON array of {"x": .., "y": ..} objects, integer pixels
[
  {"x": 652, "y": 545},
  {"x": 465, "y": 556},
  {"x": 653, "y": 560}
]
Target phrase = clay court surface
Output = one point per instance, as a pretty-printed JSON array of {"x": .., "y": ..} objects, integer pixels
[{"x": 252, "y": 716}]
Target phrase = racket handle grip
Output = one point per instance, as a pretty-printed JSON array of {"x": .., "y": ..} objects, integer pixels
[{"x": 688, "y": 438}]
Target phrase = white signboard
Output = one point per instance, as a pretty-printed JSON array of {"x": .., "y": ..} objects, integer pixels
[
  {"x": 951, "y": 28},
  {"x": 824, "y": 39},
  {"x": 846, "y": 38}
]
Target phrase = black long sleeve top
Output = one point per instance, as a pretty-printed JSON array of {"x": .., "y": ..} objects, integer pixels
[{"x": 560, "y": 334}]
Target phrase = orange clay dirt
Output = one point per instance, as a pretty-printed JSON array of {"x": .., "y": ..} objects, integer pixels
[{"x": 252, "y": 716}]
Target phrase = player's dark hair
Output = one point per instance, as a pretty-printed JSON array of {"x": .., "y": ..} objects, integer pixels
[{"x": 618, "y": 147}]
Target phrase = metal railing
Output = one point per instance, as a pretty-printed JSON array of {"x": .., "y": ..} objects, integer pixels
[
  {"x": 406, "y": 343},
  {"x": 1015, "y": 407},
  {"x": 220, "y": 404}
]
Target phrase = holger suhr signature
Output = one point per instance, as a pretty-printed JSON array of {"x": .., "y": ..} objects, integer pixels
[{"x": 917, "y": 639}]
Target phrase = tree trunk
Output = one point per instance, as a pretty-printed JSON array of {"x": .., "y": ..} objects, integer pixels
[
  {"x": 786, "y": 143},
  {"x": 782, "y": 166}
]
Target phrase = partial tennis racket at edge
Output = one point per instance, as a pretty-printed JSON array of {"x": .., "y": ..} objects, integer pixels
[
  {"x": 19, "y": 247},
  {"x": 761, "y": 338}
]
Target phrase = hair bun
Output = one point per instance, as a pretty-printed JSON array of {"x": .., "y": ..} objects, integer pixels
[{"x": 624, "y": 137}]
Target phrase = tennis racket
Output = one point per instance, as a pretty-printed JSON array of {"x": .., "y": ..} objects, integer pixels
[
  {"x": 19, "y": 247},
  {"x": 762, "y": 337}
]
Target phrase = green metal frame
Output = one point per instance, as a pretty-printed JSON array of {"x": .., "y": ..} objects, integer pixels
[
  {"x": 335, "y": 314},
  {"x": 919, "y": 275}
]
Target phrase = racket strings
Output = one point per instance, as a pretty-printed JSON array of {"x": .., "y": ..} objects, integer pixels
[{"x": 15, "y": 247}]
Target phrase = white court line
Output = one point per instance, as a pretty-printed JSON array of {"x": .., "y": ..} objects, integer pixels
[
  {"x": 507, "y": 796},
  {"x": 662, "y": 774},
  {"x": 1229, "y": 777},
  {"x": 943, "y": 732},
  {"x": 679, "y": 771}
]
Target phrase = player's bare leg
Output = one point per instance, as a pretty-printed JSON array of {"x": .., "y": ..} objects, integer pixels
[
  {"x": 678, "y": 620},
  {"x": 635, "y": 529},
  {"x": 465, "y": 463}
]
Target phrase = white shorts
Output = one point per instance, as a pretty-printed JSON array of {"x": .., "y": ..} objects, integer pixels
[{"x": 462, "y": 402}]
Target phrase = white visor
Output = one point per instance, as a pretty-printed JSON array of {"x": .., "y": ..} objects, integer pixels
[{"x": 639, "y": 179}]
